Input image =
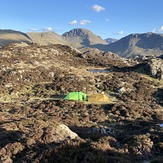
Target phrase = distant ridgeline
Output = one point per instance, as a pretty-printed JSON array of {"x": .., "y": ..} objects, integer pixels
[
  {"x": 133, "y": 45},
  {"x": 146, "y": 44},
  {"x": 11, "y": 36}
]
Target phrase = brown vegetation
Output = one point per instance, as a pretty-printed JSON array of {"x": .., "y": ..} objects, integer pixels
[{"x": 33, "y": 81}]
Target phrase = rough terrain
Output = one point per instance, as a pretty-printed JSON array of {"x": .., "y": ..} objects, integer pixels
[{"x": 37, "y": 125}]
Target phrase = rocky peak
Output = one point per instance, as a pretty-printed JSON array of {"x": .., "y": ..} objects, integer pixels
[{"x": 77, "y": 32}]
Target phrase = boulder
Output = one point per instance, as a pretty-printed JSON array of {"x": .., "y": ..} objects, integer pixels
[
  {"x": 156, "y": 68},
  {"x": 64, "y": 131}
]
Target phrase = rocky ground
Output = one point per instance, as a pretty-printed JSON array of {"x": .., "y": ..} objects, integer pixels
[{"x": 37, "y": 125}]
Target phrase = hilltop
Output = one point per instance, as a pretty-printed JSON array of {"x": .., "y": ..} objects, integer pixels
[{"x": 80, "y": 37}]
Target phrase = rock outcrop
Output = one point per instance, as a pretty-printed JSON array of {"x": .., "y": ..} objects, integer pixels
[{"x": 156, "y": 68}]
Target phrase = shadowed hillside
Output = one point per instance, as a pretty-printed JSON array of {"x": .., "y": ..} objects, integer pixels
[{"x": 11, "y": 36}]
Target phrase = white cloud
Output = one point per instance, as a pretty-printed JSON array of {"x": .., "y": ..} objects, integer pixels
[
  {"x": 97, "y": 8},
  {"x": 120, "y": 33},
  {"x": 48, "y": 29},
  {"x": 74, "y": 22},
  {"x": 84, "y": 22},
  {"x": 33, "y": 29},
  {"x": 158, "y": 30},
  {"x": 154, "y": 30},
  {"x": 161, "y": 29}
]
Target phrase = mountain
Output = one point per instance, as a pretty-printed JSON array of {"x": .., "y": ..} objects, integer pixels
[
  {"x": 146, "y": 44},
  {"x": 110, "y": 40},
  {"x": 12, "y": 36},
  {"x": 80, "y": 37},
  {"x": 46, "y": 38},
  {"x": 77, "y": 38}
]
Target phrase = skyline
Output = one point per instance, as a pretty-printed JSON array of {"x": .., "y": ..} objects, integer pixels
[{"x": 105, "y": 18}]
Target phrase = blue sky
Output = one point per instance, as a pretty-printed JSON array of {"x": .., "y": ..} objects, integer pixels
[{"x": 105, "y": 18}]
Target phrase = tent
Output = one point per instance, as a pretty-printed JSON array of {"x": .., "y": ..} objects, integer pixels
[
  {"x": 79, "y": 96},
  {"x": 98, "y": 98}
]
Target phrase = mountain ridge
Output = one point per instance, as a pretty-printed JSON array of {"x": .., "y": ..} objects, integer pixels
[
  {"x": 46, "y": 38},
  {"x": 9, "y": 36},
  {"x": 139, "y": 44},
  {"x": 145, "y": 44}
]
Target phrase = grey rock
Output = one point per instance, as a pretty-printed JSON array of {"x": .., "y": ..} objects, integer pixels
[{"x": 156, "y": 68}]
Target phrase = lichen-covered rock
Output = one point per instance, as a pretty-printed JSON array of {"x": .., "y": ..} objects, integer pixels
[
  {"x": 156, "y": 67},
  {"x": 65, "y": 132}
]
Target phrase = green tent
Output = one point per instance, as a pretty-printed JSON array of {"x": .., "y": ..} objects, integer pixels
[{"x": 79, "y": 96}]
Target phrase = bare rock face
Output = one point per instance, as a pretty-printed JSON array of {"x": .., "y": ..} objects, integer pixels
[{"x": 156, "y": 68}]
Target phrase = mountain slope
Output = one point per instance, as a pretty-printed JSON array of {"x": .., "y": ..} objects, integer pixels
[
  {"x": 81, "y": 37},
  {"x": 46, "y": 38},
  {"x": 12, "y": 36},
  {"x": 146, "y": 44}
]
